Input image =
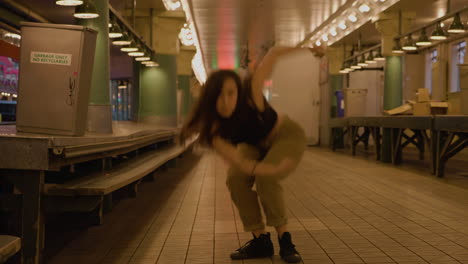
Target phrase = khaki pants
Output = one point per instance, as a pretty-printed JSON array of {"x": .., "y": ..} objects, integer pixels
[{"x": 289, "y": 142}]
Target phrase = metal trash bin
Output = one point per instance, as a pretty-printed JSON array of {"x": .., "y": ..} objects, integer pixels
[{"x": 56, "y": 65}]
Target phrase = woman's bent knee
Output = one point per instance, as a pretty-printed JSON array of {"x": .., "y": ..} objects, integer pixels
[{"x": 236, "y": 179}]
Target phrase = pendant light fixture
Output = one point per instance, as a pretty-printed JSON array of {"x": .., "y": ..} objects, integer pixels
[
  {"x": 397, "y": 48},
  {"x": 423, "y": 39},
  {"x": 138, "y": 53},
  {"x": 145, "y": 57},
  {"x": 409, "y": 44},
  {"x": 355, "y": 64},
  {"x": 132, "y": 47},
  {"x": 370, "y": 59},
  {"x": 362, "y": 62},
  {"x": 457, "y": 26},
  {"x": 343, "y": 69},
  {"x": 69, "y": 2},
  {"x": 86, "y": 11},
  {"x": 115, "y": 31},
  {"x": 378, "y": 56},
  {"x": 438, "y": 33},
  {"x": 122, "y": 41}
]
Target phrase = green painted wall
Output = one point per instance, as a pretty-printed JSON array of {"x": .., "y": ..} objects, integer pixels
[
  {"x": 184, "y": 85},
  {"x": 158, "y": 88},
  {"x": 100, "y": 85}
]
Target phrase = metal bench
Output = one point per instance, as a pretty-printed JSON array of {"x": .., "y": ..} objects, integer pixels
[
  {"x": 9, "y": 246},
  {"x": 93, "y": 193}
]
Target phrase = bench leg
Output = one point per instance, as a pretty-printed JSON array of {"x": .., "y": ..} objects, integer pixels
[
  {"x": 97, "y": 215},
  {"x": 172, "y": 163},
  {"x": 149, "y": 177},
  {"x": 132, "y": 189},
  {"x": 107, "y": 202},
  {"x": 31, "y": 183}
]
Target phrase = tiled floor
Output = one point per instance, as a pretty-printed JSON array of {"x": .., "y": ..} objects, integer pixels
[{"x": 342, "y": 210}]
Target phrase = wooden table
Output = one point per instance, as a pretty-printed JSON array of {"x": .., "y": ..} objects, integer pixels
[
  {"x": 450, "y": 136},
  {"x": 399, "y": 126}
]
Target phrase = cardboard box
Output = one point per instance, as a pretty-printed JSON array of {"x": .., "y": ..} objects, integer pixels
[
  {"x": 401, "y": 110},
  {"x": 423, "y": 95},
  {"x": 430, "y": 108}
]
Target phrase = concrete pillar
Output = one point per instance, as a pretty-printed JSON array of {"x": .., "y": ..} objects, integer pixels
[
  {"x": 388, "y": 26},
  {"x": 335, "y": 56},
  {"x": 158, "y": 86},
  {"x": 99, "y": 110},
  {"x": 184, "y": 73}
]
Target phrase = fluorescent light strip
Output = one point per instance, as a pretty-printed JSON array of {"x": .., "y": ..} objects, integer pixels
[
  {"x": 197, "y": 61},
  {"x": 352, "y": 13}
]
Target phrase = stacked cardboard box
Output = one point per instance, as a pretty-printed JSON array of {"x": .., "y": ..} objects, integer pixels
[{"x": 424, "y": 106}]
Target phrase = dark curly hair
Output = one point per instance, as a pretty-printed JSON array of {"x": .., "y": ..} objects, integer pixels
[{"x": 204, "y": 113}]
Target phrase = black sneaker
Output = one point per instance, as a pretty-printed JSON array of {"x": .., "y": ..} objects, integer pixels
[
  {"x": 258, "y": 247},
  {"x": 288, "y": 251}
]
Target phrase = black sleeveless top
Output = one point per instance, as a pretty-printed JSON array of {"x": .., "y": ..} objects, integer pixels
[{"x": 248, "y": 124}]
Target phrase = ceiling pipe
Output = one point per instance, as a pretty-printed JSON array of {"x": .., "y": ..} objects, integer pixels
[
  {"x": 151, "y": 27},
  {"x": 9, "y": 28},
  {"x": 134, "y": 3},
  {"x": 26, "y": 11}
]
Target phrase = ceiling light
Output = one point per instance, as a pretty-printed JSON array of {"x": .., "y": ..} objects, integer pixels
[
  {"x": 143, "y": 58},
  {"x": 115, "y": 31},
  {"x": 423, "y": 39},
  {"x": 397, "y": 48},
  {"x": 343, "y": 69},
  {"x": 122, "y": 85},
  {"x": 69, "y": 2},
  {"x": 333, "y": 32},
  {"x": 409, "y": 44},
  {"x": 370, "y": 58},
  {"x": 342, "y": 25},
  {"x": 12, "y": 35},
  {"x": 172, "y": 4},
  {"x": 324, "y": 37},
  {"x": 130, "y": 48},
  {"x": 355, "y": 65},
  {"x": 362, "y": 62},
  {"x": 378, "y": 56},
  {"x": 364, "y": 8},
  {"x": 352, "y": 18},
  {"x": 124, "y": 40},
  {"x": 86, "y": 11},
  {"x": 136, "y": 54},
  {"x": 439, "y": 33},
  {"x": 348, "y": 66},
  {"x": 153, "y": 64},
  {"x": 457, "y": 26},
  {"x": 318, "y": 43}
]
